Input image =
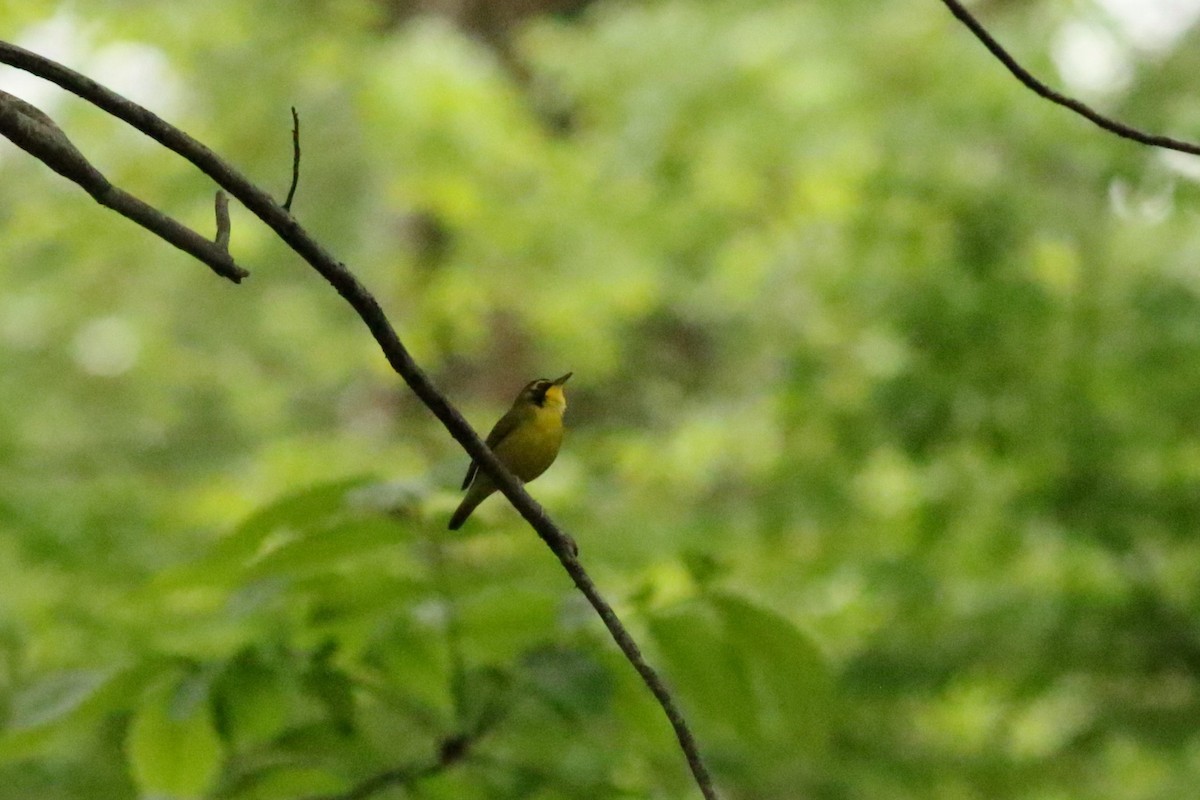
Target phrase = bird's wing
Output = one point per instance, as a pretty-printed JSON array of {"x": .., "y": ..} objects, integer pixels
[{"x": 503, "y": 428}]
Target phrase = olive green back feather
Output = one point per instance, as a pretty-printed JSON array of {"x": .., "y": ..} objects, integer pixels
[{"x": 504, "y": 427}]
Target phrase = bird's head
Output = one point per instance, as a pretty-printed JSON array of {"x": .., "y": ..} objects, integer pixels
[{"x": 545, "y": 393}]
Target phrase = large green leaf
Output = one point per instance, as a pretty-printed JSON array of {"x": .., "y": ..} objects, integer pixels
[
  {"x": 270, "y": 528},
  {"x": 258, "y": 697},
  {"x": 173, "y": 748},
  {"x": 55, "y": 696},
  {"x": 571, "y": 680},
  {"x": 703, "y": 668},
  {"x": 320, "y": 547},
  {"x": 749, "y": 673},
  {"x": 288, "y": 783},
  {"x": 788, "y": 675}
]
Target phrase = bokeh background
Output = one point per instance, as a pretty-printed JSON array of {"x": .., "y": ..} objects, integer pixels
[{"x": 884, "y": 431}]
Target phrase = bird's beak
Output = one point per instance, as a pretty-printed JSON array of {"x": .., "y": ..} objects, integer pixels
[{"x": 563, "y": 379}]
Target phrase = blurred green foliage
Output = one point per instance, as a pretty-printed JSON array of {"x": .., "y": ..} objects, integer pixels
[{"x": 884, "y": 432}]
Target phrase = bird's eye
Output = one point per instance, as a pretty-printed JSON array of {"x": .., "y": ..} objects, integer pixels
[{"x": 537, "y": 391}]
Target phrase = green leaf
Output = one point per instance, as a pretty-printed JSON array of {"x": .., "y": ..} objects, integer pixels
[
  {"x": 487, "y": 697},
  {"x": 703, "y": 668},
  {"x": 54, "y": 697},
  {"x": 289, "y": 783},
  {"x": 299, "y": 510},
  {"x": 172, "y": 746},
  {"x": 500, "y": 622},
  {"x": 751, "y": 673},
  {"x": 320, "y": 548},
  {"x": 288, "y": 517},
  {"x": 572, "y": 681},
  {"x": 788, "y": 675},
  {"x": 256, "y": 699},
  {"x": 333, "y": 690},
  {"x": 412, "y": 661}
]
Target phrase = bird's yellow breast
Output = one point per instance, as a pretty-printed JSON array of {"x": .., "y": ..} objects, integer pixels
[{"x": 532, "y": 446}]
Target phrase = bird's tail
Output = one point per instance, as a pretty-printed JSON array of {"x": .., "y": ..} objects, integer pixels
[{"x": 469, "y": 503}]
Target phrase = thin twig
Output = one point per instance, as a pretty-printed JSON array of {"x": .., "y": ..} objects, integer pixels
[
  {"x": 223, "y": 229},
  {"x": 35, "y": 133},
  {"x": 367, "y": 307},
  {"x": 287, "y": 204},
  {"x": 1042, "y": 90}
]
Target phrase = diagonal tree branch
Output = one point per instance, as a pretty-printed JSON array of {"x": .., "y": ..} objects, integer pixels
[
  {"x": 31, "y": 130},
  {"x": 1042, "y": 90},
  {"x": 367, "y": 307}
]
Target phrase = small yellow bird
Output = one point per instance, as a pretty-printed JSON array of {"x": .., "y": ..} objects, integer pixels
[{"x": 526, "y": 440}]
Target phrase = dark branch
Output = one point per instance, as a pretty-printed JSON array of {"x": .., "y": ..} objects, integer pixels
[
  {"x": 367, "y": 307},
  {"x": 287, "y": 204},
  {"x": 35, "y": 133},
  {"x": 1041, "y": 89}
]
